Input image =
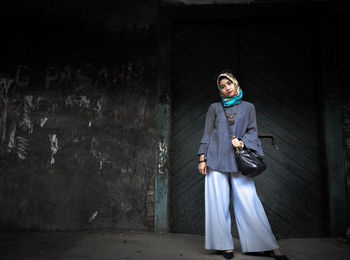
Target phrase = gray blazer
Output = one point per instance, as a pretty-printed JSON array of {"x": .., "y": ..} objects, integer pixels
[{"x": 216, "y": 141}]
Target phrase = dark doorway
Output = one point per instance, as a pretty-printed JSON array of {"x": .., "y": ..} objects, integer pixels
[{"x": 274, "y": 62}]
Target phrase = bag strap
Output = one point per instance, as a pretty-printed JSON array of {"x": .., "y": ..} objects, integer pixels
[
  {"x": 229, "y": 127},
  {"x": 228, "y": 124}
]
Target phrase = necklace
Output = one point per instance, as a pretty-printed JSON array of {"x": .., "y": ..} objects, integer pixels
[{"x": 231, "y": 118}]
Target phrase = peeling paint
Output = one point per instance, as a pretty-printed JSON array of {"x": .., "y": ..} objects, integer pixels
[
  {"x": 29, "y": 101},
  {"x": 12, "y": 138},
  {"x": 43, "y": 121},
  {"x": 93, "y": 216},
  {"x": 98, "y": 110},
  {"x": 4, "y": 119},
  {"x": 54, "y": 147},
  {"x": 101, "y": 157},
  {"x": 126, "y": 170},
  {"x": 5, "y": 84},
  {"x": 163, "y": 155},
  {"x": 84, "y": 101},
  {"x": 75, "y": 135},
  {"x": 92, "y": 147},
  {"x": 38, "y": 100},
  {"x": 27, "y": 122},
  {"x": 81, "y": 101},
  {"x": 21, "y": 156},
  {"x": 22, "y": 147},
  {"x": 69, "y": 101}
]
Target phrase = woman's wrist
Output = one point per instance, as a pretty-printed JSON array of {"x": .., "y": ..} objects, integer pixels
[{"x": 202, "y": 158}]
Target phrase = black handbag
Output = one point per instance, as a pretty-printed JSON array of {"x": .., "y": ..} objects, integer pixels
[{"x": 248, "y": 161}]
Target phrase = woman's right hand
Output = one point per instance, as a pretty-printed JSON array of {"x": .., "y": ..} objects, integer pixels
[{"x": 202, "y": 167}]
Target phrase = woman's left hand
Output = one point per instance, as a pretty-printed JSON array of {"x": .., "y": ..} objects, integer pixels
[{"x": 237, "y": 143}]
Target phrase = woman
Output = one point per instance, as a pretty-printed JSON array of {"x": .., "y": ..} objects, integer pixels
[{"x": 217, "y": 163}]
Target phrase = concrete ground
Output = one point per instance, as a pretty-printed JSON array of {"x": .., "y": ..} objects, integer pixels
[{"x": 114, "y": 244}]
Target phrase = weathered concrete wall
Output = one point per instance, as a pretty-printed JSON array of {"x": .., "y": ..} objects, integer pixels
[{"x": 78, "y": 119}]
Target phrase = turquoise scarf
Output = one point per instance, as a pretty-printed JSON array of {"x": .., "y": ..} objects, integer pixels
[{"x": 228, "y": 102}]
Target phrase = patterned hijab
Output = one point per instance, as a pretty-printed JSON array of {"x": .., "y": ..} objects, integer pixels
[{"x": 228, "y": 102}]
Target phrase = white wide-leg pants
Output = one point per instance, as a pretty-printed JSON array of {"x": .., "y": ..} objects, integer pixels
[{"x": 253, "y": 226}]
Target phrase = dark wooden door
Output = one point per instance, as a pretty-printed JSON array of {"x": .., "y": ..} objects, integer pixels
[{"x": 274, "y": 65}]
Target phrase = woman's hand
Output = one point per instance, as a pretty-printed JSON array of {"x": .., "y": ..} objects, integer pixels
[
  {"x": 202, "y": 165},
  {"x": 202, "y": 168},
  {"x": 237, "y": 143}
]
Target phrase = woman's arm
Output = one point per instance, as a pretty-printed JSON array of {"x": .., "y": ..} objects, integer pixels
[
  {"x": 250, "y": 137},
  {"x": 208, "y": 128}
]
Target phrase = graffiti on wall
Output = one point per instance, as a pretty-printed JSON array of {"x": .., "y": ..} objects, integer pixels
[{"x": 28, "y": 102}]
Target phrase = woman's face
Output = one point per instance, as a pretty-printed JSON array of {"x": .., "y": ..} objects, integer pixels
[{"x": 227, "y": 88}]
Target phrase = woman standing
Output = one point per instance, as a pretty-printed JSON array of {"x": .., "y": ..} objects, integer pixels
[{"x": 216, "y": 162}]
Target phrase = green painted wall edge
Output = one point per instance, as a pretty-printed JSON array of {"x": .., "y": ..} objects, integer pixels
[{"x": 161, "y": 208}]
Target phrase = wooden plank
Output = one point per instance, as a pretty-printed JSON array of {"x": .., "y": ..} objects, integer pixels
[
  {"x": 207, "y": 97},
  {"x": 182, "y": 151},
  {"x": 292, "y": 152},
  {"x": 182, "y": 192},
  {"x": 286, "y": 100},
  {"x": 313, "y": 181},
  {"x": 187, "y": 131},
  {"x": 282, "y": 131},
  {"x": 286, "y": 119},
  {"x": 283, "y": 182}
]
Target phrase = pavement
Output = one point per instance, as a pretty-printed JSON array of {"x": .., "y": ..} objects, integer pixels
[{"x": 142, "y": 245}]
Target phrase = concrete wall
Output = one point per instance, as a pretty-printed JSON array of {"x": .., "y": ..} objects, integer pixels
[
  {"x": 78, "y": 117},
  {"x": 78, "y": 112}
]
